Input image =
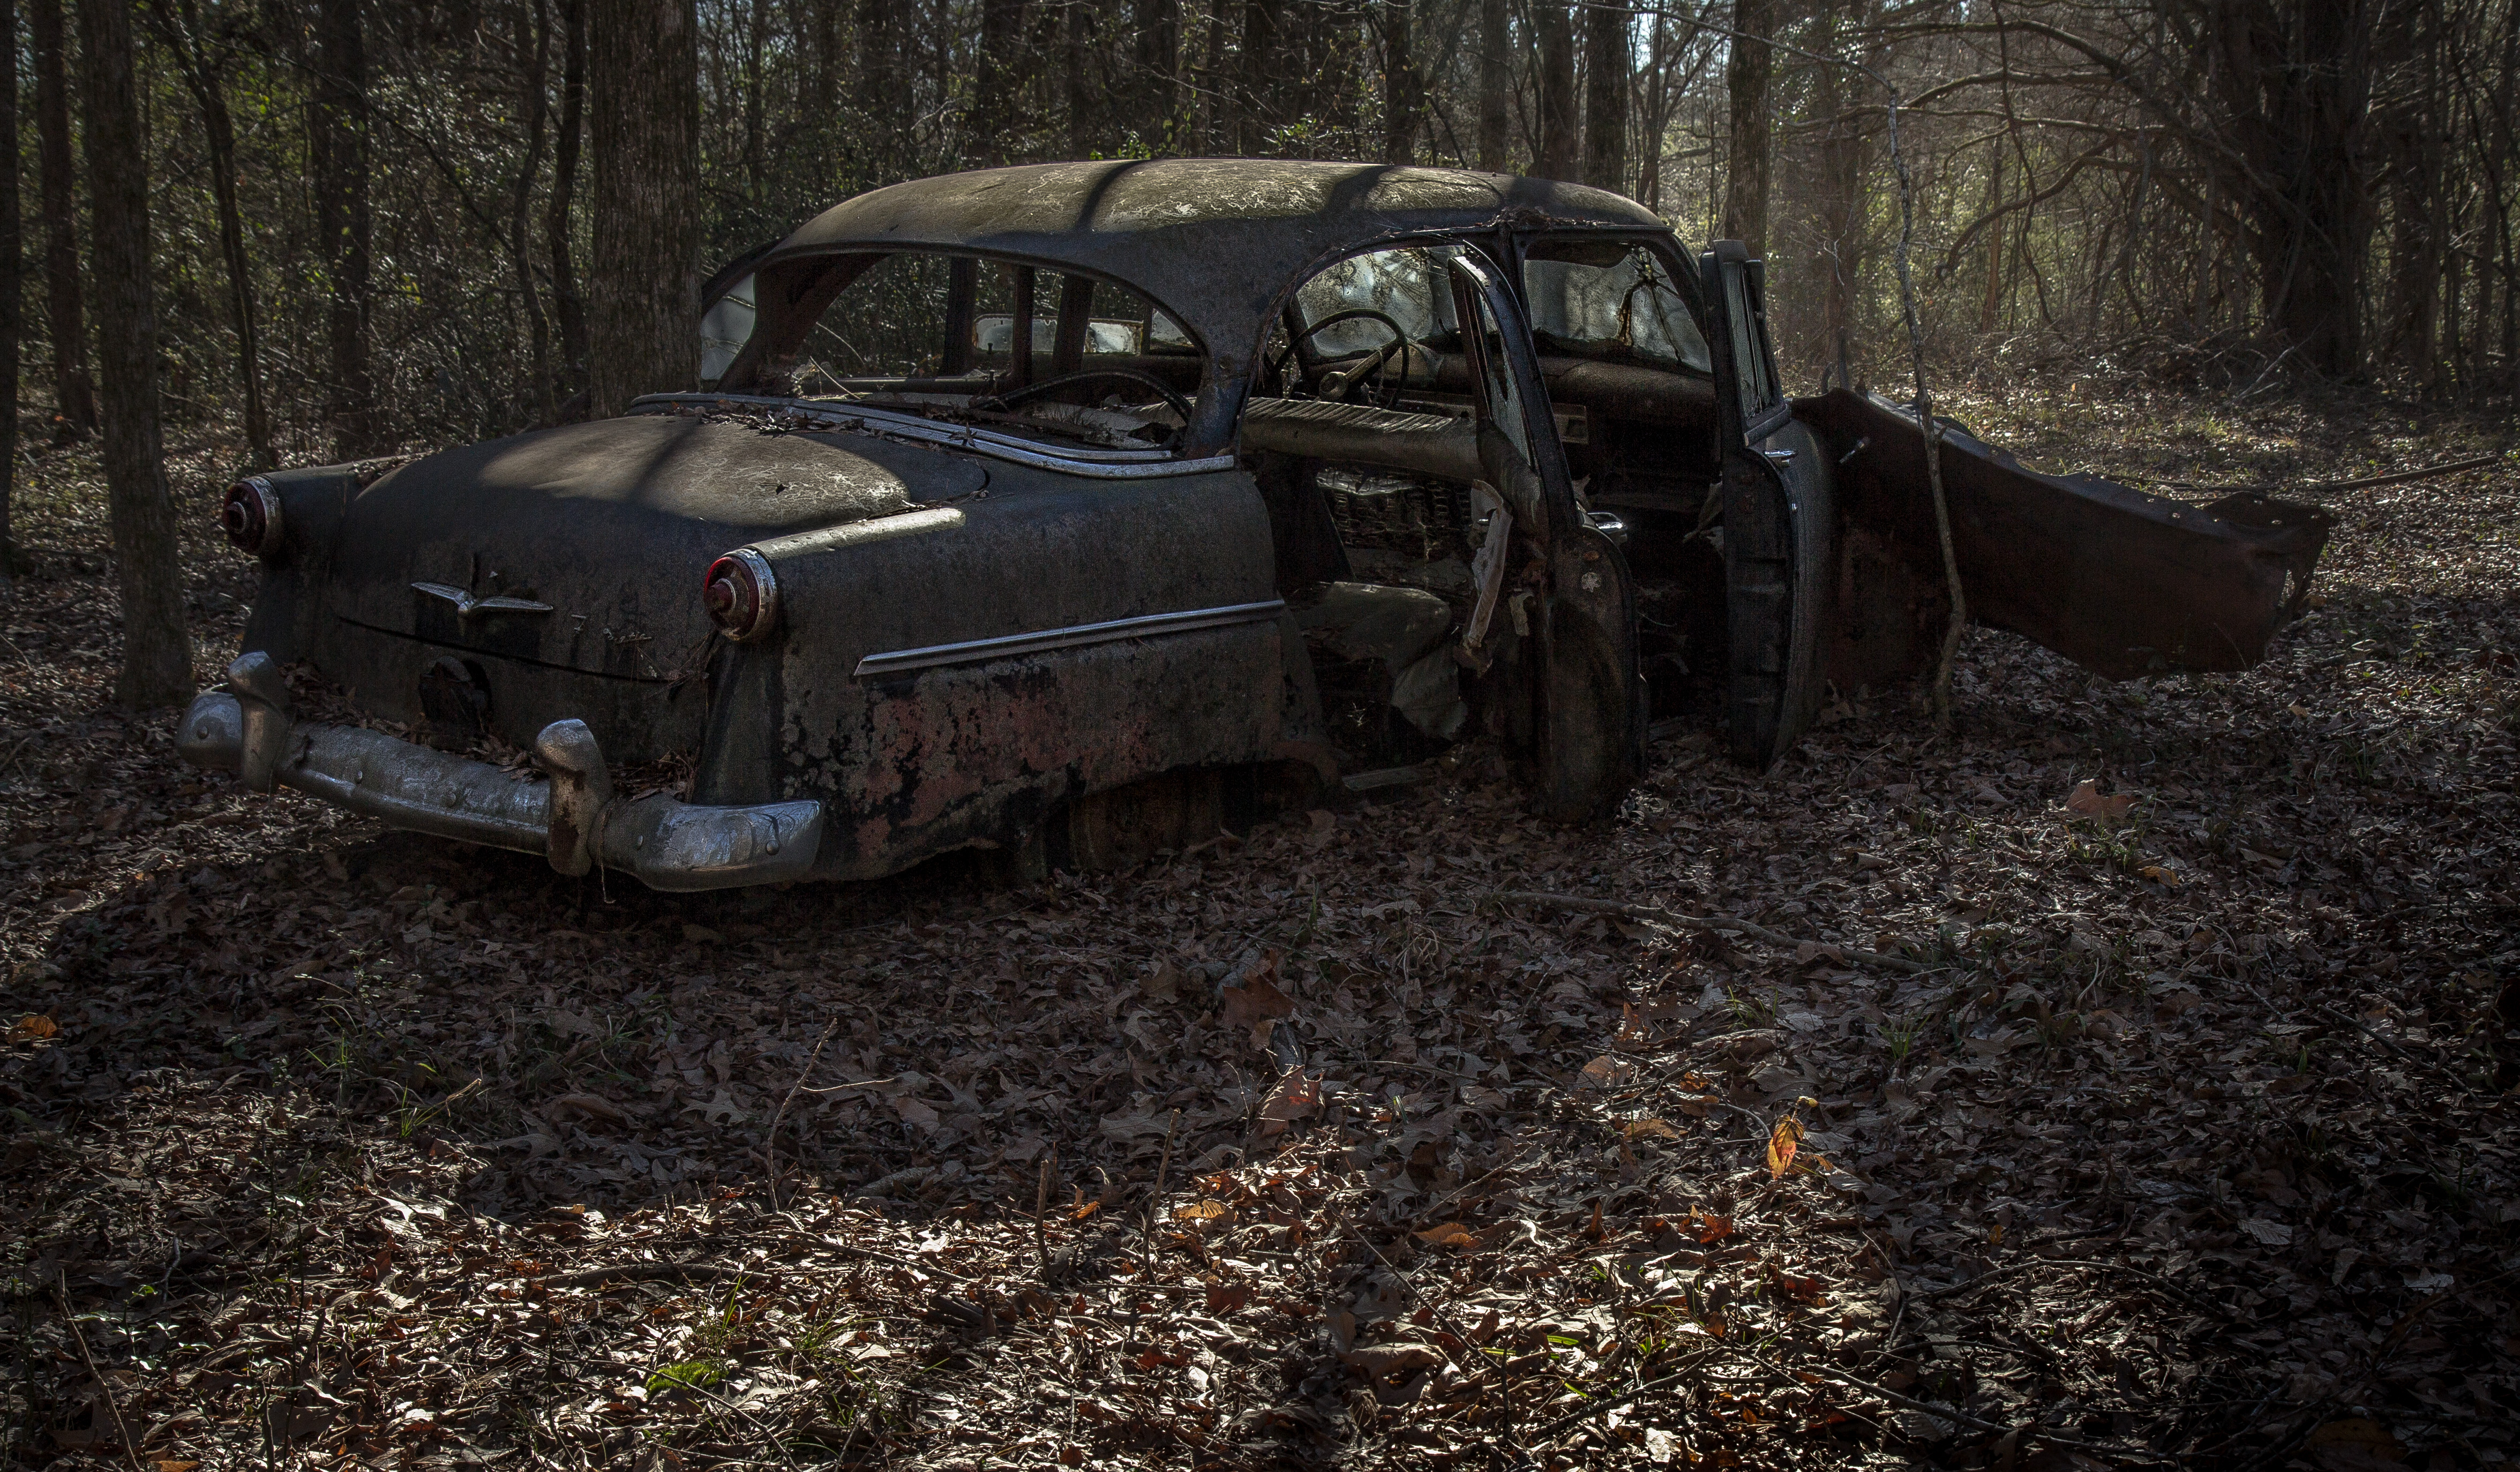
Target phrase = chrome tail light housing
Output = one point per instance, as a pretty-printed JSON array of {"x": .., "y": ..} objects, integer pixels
[
  {"x": 250, "y": 516},
  {"x": 742, "y": 595}
]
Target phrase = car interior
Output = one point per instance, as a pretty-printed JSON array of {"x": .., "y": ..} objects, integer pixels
[{"x": 1357, "y": 429}]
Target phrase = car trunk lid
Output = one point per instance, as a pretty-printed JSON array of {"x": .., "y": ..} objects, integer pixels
[{"x": 582, "y": 547}]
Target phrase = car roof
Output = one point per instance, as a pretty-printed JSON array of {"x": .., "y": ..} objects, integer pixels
[{"x": 1212, "y": 241}]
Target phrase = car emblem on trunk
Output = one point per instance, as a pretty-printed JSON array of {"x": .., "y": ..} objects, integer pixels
[{"x": 468, "y": 606}]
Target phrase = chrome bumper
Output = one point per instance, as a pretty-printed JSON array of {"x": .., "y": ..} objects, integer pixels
[{"x": 572, "y": 818}]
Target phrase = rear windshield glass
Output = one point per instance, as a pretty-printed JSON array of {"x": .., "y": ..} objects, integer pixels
[{"x": 898, "y": 321}]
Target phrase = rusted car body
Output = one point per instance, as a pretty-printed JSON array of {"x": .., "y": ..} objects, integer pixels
[{"x": 1078, "y": 510}]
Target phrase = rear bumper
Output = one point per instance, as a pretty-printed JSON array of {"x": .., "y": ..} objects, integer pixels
[{"x": 571, "y": 815}]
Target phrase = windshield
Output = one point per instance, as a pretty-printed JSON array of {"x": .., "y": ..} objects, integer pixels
[{"x": 1608, "y": 299}]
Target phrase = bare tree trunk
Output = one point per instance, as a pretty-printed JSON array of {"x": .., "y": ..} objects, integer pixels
[
  {"x": 1493, "y": 86},
  {"x": 1839, "y": 251},
  {"x": 1606, "y": 42},
  {"x": 643, "y": 85},
  {"x": 1746, "y": 74},
  {"x": 567, "y": 304},
  {"x": 1989, "y": 310},
  {"x": 1557, "y": 104},
  {"x": 65, "y": 302},
  {"x": 756, "y": 43},
  {"x": 1256, "y": 99},
  {"x": 1075, "y": 48},
  {"x": 338, "y": 140},
  {"x": 533, "y": 48},
  {"x": 879, "y": 55},
  {"x": 1157, "y": 43},
  {"x": 157, "y": 653},
  {"x": 1400, "y": 96},
  {"x": 999, "y": 85},
  {"x": 2295, "y": 80},
  {"x": 12, "y": 286},
  {"x": 180, "y": 28}
]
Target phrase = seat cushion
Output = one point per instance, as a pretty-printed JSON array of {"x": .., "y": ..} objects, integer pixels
[{"x": 1396, "y": 626}]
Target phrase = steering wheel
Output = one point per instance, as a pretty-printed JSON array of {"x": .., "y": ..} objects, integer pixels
[
  {"x": 1015, "y": 397},
  {"x": 1338, "y": 385}
]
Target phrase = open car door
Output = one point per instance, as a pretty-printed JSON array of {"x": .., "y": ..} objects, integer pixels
[
  {"x": 1780, "y": 522},
  {"x": 1589, "y": 726}
]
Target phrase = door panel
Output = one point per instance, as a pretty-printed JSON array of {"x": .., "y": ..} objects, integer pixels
[
  {"x": 2119, "y": 581},
  {"x": 1590, "y": 726},
  {"x": 1780, "y": 522}
]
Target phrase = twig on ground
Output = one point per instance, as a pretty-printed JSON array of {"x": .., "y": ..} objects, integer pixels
[
  {"x": 1956, "y": 1416},
  {"x": 1574, "y": 1418},
  {"x": 103, "y": 1387},
  {"x": 2364, "y": 482},
  {"x": 770, "y": 1145},
  {"x": 1703, "y": 924}
]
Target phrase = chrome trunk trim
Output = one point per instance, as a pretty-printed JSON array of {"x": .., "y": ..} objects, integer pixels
[{"x": 1077, "y": 636}]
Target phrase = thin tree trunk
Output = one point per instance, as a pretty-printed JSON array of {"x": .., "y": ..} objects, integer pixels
[
  {"x": 1074, "y": 46},
  {"x": 13, "y": 284},
  {"x": 1158, "y": 48},
  {"x": 1493, "y": 86},
  {"x": 757, "y": 42},
  {"x": 879, "y": 56},
  {"x": 1606, "y": 42},
  {"x": 566, "y": 304},
  {"x": 65, "y": 302},
  {"x": 643, "y": 83},
  {"x": 1558, "y": 140},
  {"x": 1256, "y": 99},
  {"x": 999, "y": 84},
  {"x": 1991, "y": 309},
  {"x": 157, "y": 653},
  {"x": 1746, "y": 76},
  {"x": 1400, "y": 101},
  {"x": 533, "y": 48},
  {"x": 340, "y": 144},
  {"x": 181, "y": 30}
]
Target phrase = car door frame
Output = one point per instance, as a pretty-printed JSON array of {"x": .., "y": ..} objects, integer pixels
[{"x": 1589, "y": 731}]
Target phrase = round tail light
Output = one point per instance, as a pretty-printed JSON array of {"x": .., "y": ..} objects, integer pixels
[
  {"x": 251, "y": 515},
  {"x": 742, "y": 595}
]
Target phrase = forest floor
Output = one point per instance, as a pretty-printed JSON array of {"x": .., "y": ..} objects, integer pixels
[{"x": 2193, "y": 1140}]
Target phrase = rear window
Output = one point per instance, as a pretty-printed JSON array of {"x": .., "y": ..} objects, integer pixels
[{"x": 898, "y": 320}]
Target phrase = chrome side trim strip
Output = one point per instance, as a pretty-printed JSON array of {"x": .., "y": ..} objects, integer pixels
[
  {"x": 975, "y": 650},
  {"x": 1093, "y": 464}
]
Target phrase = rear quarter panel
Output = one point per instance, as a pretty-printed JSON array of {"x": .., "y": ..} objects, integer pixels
[{"x": 917, "y": 764}]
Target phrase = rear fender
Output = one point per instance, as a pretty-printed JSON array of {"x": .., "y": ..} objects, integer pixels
[{"x": 2119, "y": 581}]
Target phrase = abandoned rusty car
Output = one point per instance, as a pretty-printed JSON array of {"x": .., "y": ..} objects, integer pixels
[{"x": 1074, "y": 509}]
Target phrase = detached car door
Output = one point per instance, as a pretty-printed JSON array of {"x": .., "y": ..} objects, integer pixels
[
  {"x": 1834, "y": 571},
  {"x": 1589, "y": 731}
]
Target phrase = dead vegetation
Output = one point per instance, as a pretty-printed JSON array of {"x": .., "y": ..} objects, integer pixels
[{"x": 2183, "y": 1134}]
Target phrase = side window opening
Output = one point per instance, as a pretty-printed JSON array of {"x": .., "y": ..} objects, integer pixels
[{"x": 1614, "y": 301}]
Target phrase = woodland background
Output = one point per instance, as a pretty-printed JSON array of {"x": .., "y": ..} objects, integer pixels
[
  {"x": 377, "y": 224},
  {"x": 2181, "y": 1128}
]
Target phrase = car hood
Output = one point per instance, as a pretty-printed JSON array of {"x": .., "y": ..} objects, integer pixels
[{"x": 582, "y": 547}]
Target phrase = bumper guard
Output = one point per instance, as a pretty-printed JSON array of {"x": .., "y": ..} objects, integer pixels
[{"x": 574, "y": 818}]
